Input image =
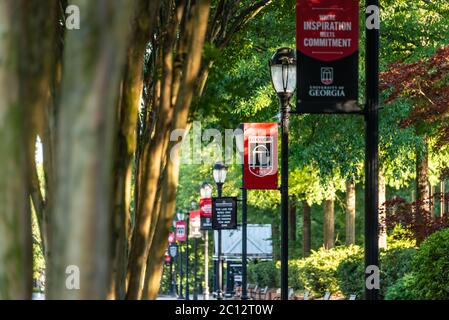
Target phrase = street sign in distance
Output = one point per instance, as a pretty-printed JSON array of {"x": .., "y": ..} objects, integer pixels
[
  {"x": 173, "y": 250},
  {"x": 224, "y": 213}
]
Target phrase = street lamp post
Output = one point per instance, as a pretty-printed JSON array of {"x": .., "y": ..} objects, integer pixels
[
  {"x": 206, "y": 193},
  {"x": 195, "y": 264},
  {"x": 171, "y": 291},
  {"x": 195, "y": 268},
  {"x": 283, "y": 75},
  {"x": 172, "y": 271},
  {"x": 180, "y": 216},
  {"x": 372, "y": 151},
  {"x": 219, "y": 172},
  {"x": 187, "y": 256}
]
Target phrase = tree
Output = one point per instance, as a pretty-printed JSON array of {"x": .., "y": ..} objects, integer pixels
[
  {"x": 84, "y": 149},
  {"x": 15, "y": 216},
  {"x": 350, "y": 212},
  {"x": 142, "y": 26}
]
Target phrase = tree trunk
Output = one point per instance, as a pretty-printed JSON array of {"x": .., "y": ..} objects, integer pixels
[
  {"x": 93, "y": 64},
  {"x": 306, "y": 229},
  {"x": 292, "y": 218},
  {"x": 185, "y": 81},
  {"x": 422, "y": 187},
  {"x": 442, "y": 199},
  {"x": 432, "y": 200},
  {"x": 382, "y": 212},
  {"x": 422, "y": 179},
  {"x": 328, "y": 224},
  {"x": 350, "y": 212},
  {"x": 199, "y": 19},
  {"x": 41, "y": 56},
  {"x": 151, "y": 174},
  {"x": 15, "y": 216},
  {"x": 142, "y": 29}
]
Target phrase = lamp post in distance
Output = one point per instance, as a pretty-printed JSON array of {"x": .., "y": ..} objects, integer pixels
[
  {"x": 219, "y": 172},
  {"x": 283, "y": 76}
]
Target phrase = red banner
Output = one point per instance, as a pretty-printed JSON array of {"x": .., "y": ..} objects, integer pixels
[
  {"x": 261, "y": 156},
  {"x": 206, "y": 207},
  {"x": 181, "y": 231},
  {"x": 171, "y": 237},
  {"x": 328, "y": 56},
  {"x": 195, "y": 224},
  {"x": 167, "y": 257},
  {"x": 328, "y": 30}
]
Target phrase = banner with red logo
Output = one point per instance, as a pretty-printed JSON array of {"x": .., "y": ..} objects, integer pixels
[
  {"x": 195, "y": 224},
  {"x": 206, "y": 207},
  {"x": 260, "y": 156},
  {"x": 171, "y": 237},
  {"x": 167, "y": 257},
  {"x": 206, "y": 213},
  {"x": 328, "y": 55},
  {"x": 181, "y": 231}
]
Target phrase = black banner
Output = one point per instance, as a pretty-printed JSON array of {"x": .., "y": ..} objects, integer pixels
[
  {"x": 224, "y": 213},
  {"x": 206, "y": 223},
  {"x": 173, "y": 250},
  {"x": 328, "y": 56}
]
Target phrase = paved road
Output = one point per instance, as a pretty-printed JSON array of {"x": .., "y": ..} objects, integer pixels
[
  {"x": 38, "y": 296},
  {"x": 41, "y": 296},
  {"x": 167, "y": 297}
]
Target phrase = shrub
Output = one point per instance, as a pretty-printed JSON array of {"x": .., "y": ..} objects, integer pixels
[
  {"x": 318, "y": 273},
  {"x": 394, "y": 264},
  {"x": 403, "y": 289},
  {"x": 351, "y": 275},
  {"x": 264, "y": 274},
  {"x": 431, "y": 265}
]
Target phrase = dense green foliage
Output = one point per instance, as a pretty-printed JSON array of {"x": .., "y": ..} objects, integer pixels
[
  {"x": 403, "y": 289},
  {"x": 264, "y": 274},
  {"x": 318, "y": 272},
  {"x": 431, "y": 267}
]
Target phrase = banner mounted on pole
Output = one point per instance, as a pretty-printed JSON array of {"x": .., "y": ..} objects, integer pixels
[
  {"x": 173, "y": 250},
  {"x": 206, "y": 213},
  {"x": 260, "y": 167},
  {"x": 171, "y": 238},
  {"x": 181, "y": 231},
  {"x": 195, "y": 224},
  {"x": 167, "y": 257},
  {"x": 328, "y": 56},
  {"x": 224, "y": 213}
]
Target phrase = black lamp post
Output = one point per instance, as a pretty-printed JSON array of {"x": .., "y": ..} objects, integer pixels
[
  {"x": 172, "y": 275},
  {"x": 195, "y": 265},
  {"x": 180, "y": 217},
  {"x": 219, "y": 172},
  {"x": 372, "y": 151},
  {"x": 187, "y": 255},
  {"x": 206, "y": 193},
  {"x": 283, "y": 76}
]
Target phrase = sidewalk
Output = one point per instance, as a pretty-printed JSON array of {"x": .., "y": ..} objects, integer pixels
[{"x": 168, "y": 297}]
